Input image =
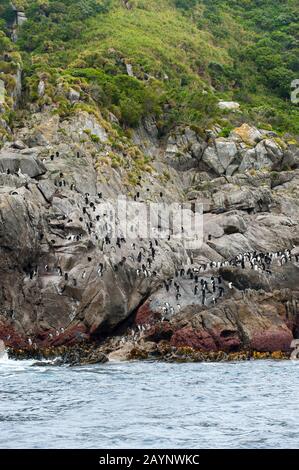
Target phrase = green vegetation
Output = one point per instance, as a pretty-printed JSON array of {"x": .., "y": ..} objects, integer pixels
[{"x": 185, "y": 55}]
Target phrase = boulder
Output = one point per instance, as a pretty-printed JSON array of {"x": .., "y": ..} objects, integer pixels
[
  {"x": 267, "y": 155},
  {"x": 229, "y": 105},
  {"x": 41, "y": 88},
  {"x": 211, "y": 159},
  {"x": 73, "y": 95},
  {"x": 248, "y": 134},
  {"x": 27, "y": 163},
  {"x": 226, "y": 151}
]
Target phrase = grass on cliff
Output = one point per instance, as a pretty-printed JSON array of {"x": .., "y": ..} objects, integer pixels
[{"x": 185, "y": 56}]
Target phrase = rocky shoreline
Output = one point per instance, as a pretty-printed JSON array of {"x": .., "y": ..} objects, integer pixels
[
  {"x": 65, "y": 281},
  {"x": 91, "y": 355}
]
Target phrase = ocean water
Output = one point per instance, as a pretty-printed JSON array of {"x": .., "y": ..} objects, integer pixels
[{"x": 150, "y": 405}]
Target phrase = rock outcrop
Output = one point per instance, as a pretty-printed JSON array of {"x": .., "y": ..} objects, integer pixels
[{"x": 63, "y": 283}]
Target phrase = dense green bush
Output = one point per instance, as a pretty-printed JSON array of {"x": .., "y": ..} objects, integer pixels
[{"x": 185, "y": 54}]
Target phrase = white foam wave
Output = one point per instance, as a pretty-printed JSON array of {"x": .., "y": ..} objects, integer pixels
[
  {"x": 3, "y": 357},
  {"x": 7, "y": 364}
]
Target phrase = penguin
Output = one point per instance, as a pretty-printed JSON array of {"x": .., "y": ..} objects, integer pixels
[
  {"x": 100, "y": 270},
  {"x": 221, "y": 291}
]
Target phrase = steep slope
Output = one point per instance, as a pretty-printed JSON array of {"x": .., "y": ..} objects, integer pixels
[
  {"x": 121, "y": 98},
  {"x": 183, "y": 55}
]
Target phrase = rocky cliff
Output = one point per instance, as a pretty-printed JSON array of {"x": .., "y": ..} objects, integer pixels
[
  {"x": 64, "y": 282},
  {"x": 84, "y": 130}
]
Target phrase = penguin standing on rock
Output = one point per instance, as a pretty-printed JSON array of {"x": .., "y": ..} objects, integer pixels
[
  {"x": 221, "y": 291},
  {"x": 203, "y": 292}
]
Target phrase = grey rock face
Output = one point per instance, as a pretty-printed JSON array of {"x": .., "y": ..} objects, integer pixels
[
  {"x": 257, "y": 153},
  {"x": 56, "y": 270},
  {"x": 184, "y": 149},
  {"x": 23, "y": 162}
]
